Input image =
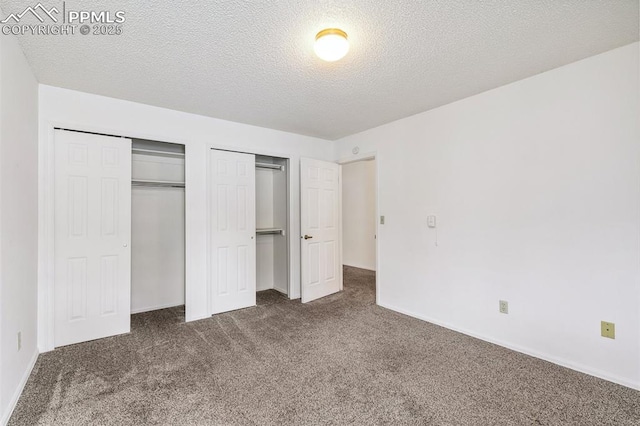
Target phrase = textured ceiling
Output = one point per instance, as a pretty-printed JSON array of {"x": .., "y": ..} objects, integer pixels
[{"x": 253, "y": 61}]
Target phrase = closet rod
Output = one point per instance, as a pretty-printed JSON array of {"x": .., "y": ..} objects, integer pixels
[
  {"x": 270, "y": 166},
  {"x": 269, "y": 231},
  {"x": 157, "y": 152},
  {"x": 157, "y": 183}
]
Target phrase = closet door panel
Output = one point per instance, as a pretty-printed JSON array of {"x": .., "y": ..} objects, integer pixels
[
  {"x": 232, "y": 244},
  {"x": 92, "y": 216}
]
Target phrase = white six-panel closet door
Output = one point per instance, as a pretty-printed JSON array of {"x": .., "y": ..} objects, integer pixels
[
  {"x": 92, "y": 286},
  {"x": 232, "y": 243},
  {"x": 320, "y": 222}
]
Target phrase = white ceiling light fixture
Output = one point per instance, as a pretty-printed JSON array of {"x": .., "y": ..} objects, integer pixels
[{"x": 331, "y": 44}]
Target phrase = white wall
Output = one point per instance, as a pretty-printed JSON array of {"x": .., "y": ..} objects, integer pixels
[
  {"x": 359, "y": 214},
  {"x": 18, "y": 221},
  {"x": 82, "y": 111},
  {"x": 536, "y": 190}
]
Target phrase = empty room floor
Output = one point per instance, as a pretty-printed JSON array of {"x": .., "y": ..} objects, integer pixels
[{"x": 338, "y": 360}]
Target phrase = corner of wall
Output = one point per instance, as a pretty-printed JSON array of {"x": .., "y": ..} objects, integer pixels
[
  {"x": 8, "y": 411},
  {"x": 18, "y": 221}
]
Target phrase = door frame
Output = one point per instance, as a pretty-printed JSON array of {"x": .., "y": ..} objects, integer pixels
[{"x": 372, "y": 155}]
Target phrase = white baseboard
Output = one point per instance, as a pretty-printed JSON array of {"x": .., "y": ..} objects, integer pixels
[
  {"x": 196, "y": 318},
  {"x": 16, "y": 395},
  {"x": 368, "y": 268},
  {"x": 155, "y": 308},
  {"x": 527, "y": 351},
  {"x": 263, "y": 288}
]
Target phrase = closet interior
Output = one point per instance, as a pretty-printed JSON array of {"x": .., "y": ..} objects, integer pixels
[
  {"x": 272, "y": 224},
  {"x": 157, "y": 225}
]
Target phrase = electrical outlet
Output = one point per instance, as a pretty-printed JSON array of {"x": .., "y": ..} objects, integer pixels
[
  {"x": 504, "y": 307},
  {"x": 19, "y": 340},
  {"x": 608, "y": 329}
]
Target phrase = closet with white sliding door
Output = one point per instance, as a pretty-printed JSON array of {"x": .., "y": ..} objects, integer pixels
[
  {"x": 272, "y": 224},
  {"x": 248, "y": 248},
  {"x": 157, "y": 225},
  {"x": 119, "y": 232}
]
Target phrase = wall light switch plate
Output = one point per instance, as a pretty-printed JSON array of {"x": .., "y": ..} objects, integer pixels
[
  {"x": 504, "y": 307},
  {"x": 381, "y": 220},
  {"x": 431, "y": 221},
  {"x": 608, "y": 329}
]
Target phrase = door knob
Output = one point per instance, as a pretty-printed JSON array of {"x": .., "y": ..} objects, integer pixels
[{"x": 306, "y": 237}]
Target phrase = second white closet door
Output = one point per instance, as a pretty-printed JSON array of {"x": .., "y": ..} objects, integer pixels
[{"x": 232, "y": 244}]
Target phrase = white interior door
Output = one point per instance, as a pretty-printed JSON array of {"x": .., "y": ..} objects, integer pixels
[
  {"x": 232, "y": 244},
  {"x": 92, "y": 284},
  {"x": 320, "y": 213}
]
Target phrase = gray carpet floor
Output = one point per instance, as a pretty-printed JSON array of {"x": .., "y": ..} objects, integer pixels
[{"x": 338, "y": 360}]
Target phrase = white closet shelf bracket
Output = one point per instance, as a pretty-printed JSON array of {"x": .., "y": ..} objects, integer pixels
[
  {"x": 157, "y": 183},
  {"x": 269, "y": 231},
  {"x": 270, "y": 166}
]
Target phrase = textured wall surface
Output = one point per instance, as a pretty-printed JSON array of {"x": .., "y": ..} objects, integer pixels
[{"x": 253, "y": 61}]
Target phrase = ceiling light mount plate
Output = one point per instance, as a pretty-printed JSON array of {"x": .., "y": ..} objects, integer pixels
[{"x": 331, "y": 44}]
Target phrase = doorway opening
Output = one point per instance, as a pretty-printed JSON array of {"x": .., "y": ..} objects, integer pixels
[
  {"x": 157, "y": 227},
  {"x": 272, "y": 227},
  {"x": 359, "y": 219}
]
